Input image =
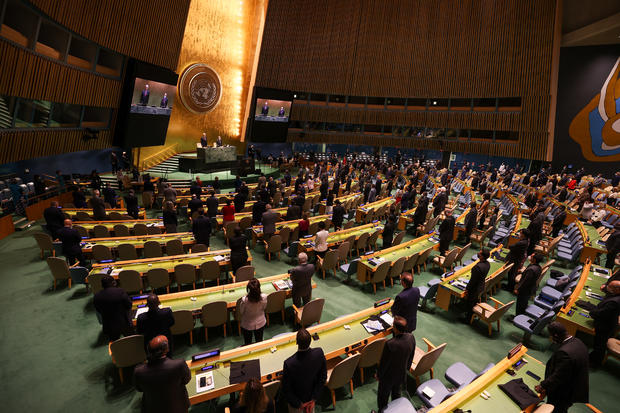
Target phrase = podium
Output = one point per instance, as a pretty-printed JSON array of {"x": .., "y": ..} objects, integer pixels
[
  {"x": 209, "y": 159},
  {"x": 210, "y": 154}
]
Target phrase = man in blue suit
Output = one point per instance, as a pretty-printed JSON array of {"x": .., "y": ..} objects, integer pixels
[{"x": 406, "y": 302}]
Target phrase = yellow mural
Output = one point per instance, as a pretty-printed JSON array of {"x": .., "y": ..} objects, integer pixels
[{"x": 596, "y": 128}]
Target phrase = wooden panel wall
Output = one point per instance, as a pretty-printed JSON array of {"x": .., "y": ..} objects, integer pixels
[
  {"x": 149, "y": 30},
  {"x": 417, "y": 48}
]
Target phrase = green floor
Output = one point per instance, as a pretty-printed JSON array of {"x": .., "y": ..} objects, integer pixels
[{"x": 54, "y": 359}]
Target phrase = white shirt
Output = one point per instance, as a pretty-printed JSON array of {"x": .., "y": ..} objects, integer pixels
[
  {"x": 320, "y": 242},
  {"x": 253, "y": 314}
]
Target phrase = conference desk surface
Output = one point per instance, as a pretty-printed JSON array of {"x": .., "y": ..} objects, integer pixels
[
  {"x": 257, "y": 230},
  {"x": 194, "y": 300},
  {"x": 334, "y": 339},
  {"x": 138, "y": 241},
  {"x": 469, "y": 399},
  {"x": 169, "y": 262},
  {"x": 574, "y": 317},
  {"x": 336, "y": 237},
  {"x": 240, "y": 215},
  {"x": 593, "y": 244},
  {"x": 343, "y": 200},
  {"x": 73, "y": 211},
  {"x": 362, "y": 210},
  {"x": 406, "y": 249},
  {"x": 90, "y": 225},
  {"x": 406, "y": 218}
]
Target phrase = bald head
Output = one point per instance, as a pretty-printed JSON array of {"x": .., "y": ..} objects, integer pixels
[
  {"x": 302, "y": 257},
  {"x": 67, "y": 223},
  {"x": 614, "y": 287},
  {"x": 152, "y": 302},
  {"x": 54, "y": 204},
  {"x": 158, "y": 347}
]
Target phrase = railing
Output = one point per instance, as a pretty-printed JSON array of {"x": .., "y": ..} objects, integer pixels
[{"x": 157, "y": 157}]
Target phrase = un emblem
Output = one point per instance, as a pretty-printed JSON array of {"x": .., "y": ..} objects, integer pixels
[{"x": 200, "y": 88}]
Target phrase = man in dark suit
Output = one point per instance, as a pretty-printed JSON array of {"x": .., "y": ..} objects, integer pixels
[
  {"x": 54, "y": 218},
  {"x": 194, "y": 204},
  {"x": 566, "y": 374},
  {"x": 446, "y": 232},
  {"x": 535, "y": 229},
  {"x": 440, "y": 201},
  {"x": 388, "y": 231},
  {"x": 338, "y": 214},
  {"x": 421, "y": 210},
  {"x": 218, "y": 141},
  {"x": 114, "y": 305},
  {"x": 265, "y": 109},
  {"x": 109, "y": 195},
  {"x": 156, "y": 321},
  {"x": 239, "y": 201},
  {"x": 406, "y": 302},
  {"x": 475, "y": 286},
  {"x": 212, "y": 205},
  {"x": 526, "y": 287},
  {"x": 162, "y": 380},
  {"x": 395, "y": 362},
  {"x": 605, "y": 317},
  {"x": 301, "y": 277},
  {"x": 304, "y": 375},
  {"x": 131, "y": 203},
  {"x": 201, "y": 227},
  {"x": 71, "y": 240},
  {"x": 203, "y": 140},
  {"x": 516, "y": 256},
  {"x": 144, "y": 96},
  {"x": 257, "y": 211},
  {"x": 269, "y": 219},
  {"x": 293, "y": 212},
  {"x": 98, "y": 207},
  {"x": 164, "y": 101},
  {"x": 470, "y": 221},
  {"x": 558, "y": 221}
]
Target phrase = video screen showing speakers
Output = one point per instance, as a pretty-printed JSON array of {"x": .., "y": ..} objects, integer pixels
[
  {"x": 271, "y": 110},
  {"x": 152, "y": 98},
  {"x": 148, "y": 100}
]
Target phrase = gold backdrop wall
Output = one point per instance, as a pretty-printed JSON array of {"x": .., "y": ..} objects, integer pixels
[{"x": 223, "y": 35}]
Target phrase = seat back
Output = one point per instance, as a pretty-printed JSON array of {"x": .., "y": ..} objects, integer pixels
[
  {"x": 542, "y": 322},
  {"x": 499, "y": 312},
  {"x": 398, "y": 238},
  {"x": 174, "y": 247},
  {"x": 158, "y": 278},
  {"x": 126, "y": 252},
  {"x": 78, "y": 275},
  {"x": 343, "y": 250},
  {"x": 411, "y": 261},
  {"x": 397, "y": 268},
  {"x": 372, "y": 240},
  {"x": 427, "y": 361},
  {"x": 82, "y": 216},
  {"x": 245, "y": 223},
  {"x": 285, "y": 234},
  {"x": 128, "y": 351},
  {"x": 101, "y": 253},
  {"x": 450, "y": 258},
  {"x": 115, "y": 216},
  {"x": 362, "y": 241},
  {"x": 153, "y": 230},
  {"x": 130, "y": 281},
  {"x": 331, "y": 260},
  {"x": 44, "y": 241},
  {"x": 209, "y": 271},
  {"x": 381, "y": 272},
  {"x": 461, "y": 253},
  {"x": 371, "y": 354},
  {"x": 121, "y": 230},
  {"x": 183, "y": 322},
  {"x": 275, "y": 301},
  {"x": 343, "y": 372},
  {"x": 312, "y": 312},
  {"x": 313, "y": 228},
  {"x": 152, "y": 249},
  {"x": 94, "y": 282},
  {"x": 185, "y": 274},
  {"x": 244, "y": 273},
  {"x": 139, "y": 229},
  {"x": 214, "y": 314},
  {"x": 81, "y": 230},
  {"x": 274, "y": 244},
  {"x": 271, "y": 389},
  {"x": 101, "y": 231},
  {"x": 199, "y": 248}
]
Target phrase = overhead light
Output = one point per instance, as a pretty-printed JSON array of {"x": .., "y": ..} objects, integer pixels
[
  {"x": 295, "y": 96},
  {"x": 434, "y": 102}
]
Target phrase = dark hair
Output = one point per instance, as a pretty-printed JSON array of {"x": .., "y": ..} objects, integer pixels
[
  {"x": 322, "y": 225},
  {"x": 407, "y": 279},
  {"x": 538, "y": 257},
  {"x": 485, "y": 253},
  {"x": 400, "y": 324},
  {"x": 107, "y": 281},
  {"x": 303, "y": 339},
  {"x": 201, "y": 211},
  {"x": 525, "y": 233},
  {"x": 473, "y": 204},
  {"x": 237, "y": 231},
  {"x": 254, "y": 397},
  {"x": 253, "y": 289},
  {"x": 228, "y": 201},
  {"x": 557, "y": 331}
]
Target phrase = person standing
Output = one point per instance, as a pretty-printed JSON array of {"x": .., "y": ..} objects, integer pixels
[
  {"x": 114, "y": 306},
  {"x": 238, "y": 249},
  {"x": 406, "y": 302},
  {"x": 131, "y": 203},
  {"x": 252, "y": 312},
  {"x": 213, "y": 205},
  {"x": 301, "y": 277},
  {"x": 98, "y": 207},
  {"x": 162, "y": 380},
  {"x": 109, "y": 195},
  {"x": 71, "y": 240},
  {"x": 605, "y": 317},
  {"x": 338, "y": 215},
  {"x": 613, "y": 247},
  {"x": 170, "y": 194},
  {"x": 421, "y": 211},
  {"x": 526, "y": 287},
  {"x": 170, "y": 218},
  {"x": 558, "y": 221},
  {"x": 54, "y": 218},
  {"x": 156, "y": 321},
  {"x": 320, "y": 241},
  {"x": 566, "y": 373},
  {"x": 228, "y": 212},
  {"x": 516, "y": 257},
  {"x": 470, "y": 221},
  {"x": 304, "y": 375},
  {"x": 201, "y": 228},
  {"x": 475, "y": 286},
  {"x": 269, "y": 219},
  {"x": 388, "y": 231},
  {"x": 395, "y": 362},
  {"x": 446, "y": 232}
]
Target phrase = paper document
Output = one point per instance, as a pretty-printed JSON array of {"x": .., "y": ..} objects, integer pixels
[
  {"x": 218, "y": 258},
  {"x": 206, "y": 379},
  {"x": 141, "y": 310},
  {"x": 387, "y": 317}
]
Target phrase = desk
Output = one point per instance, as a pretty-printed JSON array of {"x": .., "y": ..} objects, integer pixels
[
  {"x": 90, "y": 225},
  {"x": 257, "y": 230},
  {"x": 73, "y": 211},
  {"x": 468, "y": 398},
  {"x": 343, "y": 200},
  {"x": 187, "y": 238},
  {"x": 210, "y": 154},
  {"x": 168, "y": 263},
  {"x": 362, "y": 211},
  {"x": 333, "y": 339},
  {"x": 571, "y": 315},
  {"x": 591, "y": 247},
  {"x": 336, "y": 237},
  {"x": 240, "y": 215},
  {"x": 406, "y": 249}
]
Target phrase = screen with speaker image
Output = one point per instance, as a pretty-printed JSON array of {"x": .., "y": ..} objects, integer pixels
[
  {"x": 270, "y": 110},
  {"x": 152, "y": 98}
]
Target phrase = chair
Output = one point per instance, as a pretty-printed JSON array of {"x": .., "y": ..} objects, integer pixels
[
  {"x": 130, "y": 281},
  {"x": 398, "y": 238},
  {"x": 271, "y": 389},
  {"x": 199, "y": 248},
  {"x": 115, "y": 216},
  {"x": 446, "y": 263},
  {"x": 140, "y": 229},
  {"x": 94, "y": 282},
  {"x": 183, "y": 323},
  {"x": 490, "y": 314},
  {"x": 329, "y": 262},
  {"x": 275, "y": 303},
  {"x": 370, "y": 356},
  {"x": 309, "y": 313},
  {"x": 397, "y": 269},
  {"x": 245, "y": 223},
  {"x": 101, "y": 231},
  {"x": 532, "y": 326},
  {"x": 60, "y": 270},
  {"x": 313, "y": 228},
  {"x": 45, "y": 243},
  {"x": 83, "y": 216},
  {"x": 214, "y": 314},
  {"x": 153, "y": 230},
  {"x": 285, "y": 235},
  {"x": 341, "y": 374},
  {"x": 362, "y": 242},
  {"x": 127, "y": 351},
  {"x": 274, "y": 245},
  {"x": 479, "y": 236},
  {"x": 423, "y": 258},
  {"x": 378, "y": 276},
  {"x": 428, "y": 292},
  {"x": 209, "y": 271},
  {"x": 244, "y": 273},
  {"x": 372, "y": 240},
  {"x": 343, "y": 252},
  {"x": 410, "y": 262},
  {"x": 461, "y": 375},
  {"x": 175, "y": 247},
  {"x": 613, "y": 349},
  {"x": 461, "y": 254},
  {"x": 81, "y": 230},
  {"x": 348, "y": 225},
  {"x": 440, "y": 392},
  {"x": 423, "y": 361},
  {"x": 152, "y": 249},
  {"x": 121, "y": 230},
  {"x": 126, "y": 252},
  {"x": 101, "y": 253},
  {"x": 158, "y": 278},
  {"x": 185, "y": 274}
]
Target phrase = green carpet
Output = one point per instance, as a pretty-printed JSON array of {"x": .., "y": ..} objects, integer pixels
[{"x": 55, "y": 360}]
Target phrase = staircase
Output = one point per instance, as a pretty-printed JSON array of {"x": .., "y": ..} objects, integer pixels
[
  {"x": 105, "y": 179},
  {"x": 158, "y": 158},
  {"x": 169, "y": 165}
]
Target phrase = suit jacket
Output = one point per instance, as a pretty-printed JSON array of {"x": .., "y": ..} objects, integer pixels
[
  {"x": 269, "y": 219},
  {"x": 338, "y": 214},
  {"x": 71, "y": 239},
  {"x": 257, "y": 211},
  {"x": 98, "y": 208},
  {"x": 446, "y": 229},
  {"x": 152, "y": 324},
  {"x": 517, "y": 251},
  {"x": 526, "y": 286},
  {"x": 475, "y": 286},
  {"x": 396, "y": 359},
  {"x": 372, "y": 195},
  {"x": 239, "y": 201},
  {"x": 606, "y": 314},
  {"x": 566, "y": 373},
  {"x": 301, "y": 277},
  {"x": 201, "y": 227},
  {"x": 163, "y": 384},
  {"x": 114, "y": 305},
  {"x": 613, "y": 242},
  {"x": 470, "y": 220},
  {"x": 406, "y": 306},
  {"x": 131, "y": 203},
  {"x": 54, "y": 218},
  {"x": 170, "y": 194},
  {"x": 212, "y": 206},
  {"x": 194, "y": 204},
  {"x": 388, "y": 234},
  {"x": 421, "y": 210},
  {"x": 293, "y": 212},
  {"x": 440, "y": 201},
  {"x": 304, "y": 375},
  {"x": 558, "y": 220}
]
